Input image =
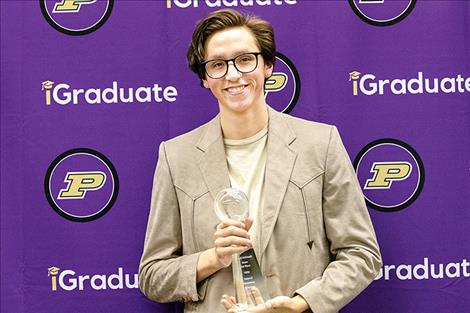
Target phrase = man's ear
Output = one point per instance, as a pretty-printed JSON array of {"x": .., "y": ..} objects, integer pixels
[
  {"x": 268, "y": 70},
  {"x": 205, "y": 84}
]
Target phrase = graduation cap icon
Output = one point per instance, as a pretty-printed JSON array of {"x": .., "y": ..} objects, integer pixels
[
  {"x": 354, "y": 75},
  {"x": 52, "y": 271},
  {"x": 47, "y": 84}
]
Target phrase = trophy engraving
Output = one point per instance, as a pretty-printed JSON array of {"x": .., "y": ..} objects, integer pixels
[{"x": 250, "y": 287}]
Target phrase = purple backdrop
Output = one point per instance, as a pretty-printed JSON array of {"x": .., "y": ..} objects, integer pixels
[{"x": 111, "y": 78}]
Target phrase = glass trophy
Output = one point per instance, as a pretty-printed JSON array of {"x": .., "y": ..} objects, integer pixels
[{"x": 250, "y": 287}]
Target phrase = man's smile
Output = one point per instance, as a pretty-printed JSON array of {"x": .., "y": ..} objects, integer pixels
[{"x": 234, "y": 90}]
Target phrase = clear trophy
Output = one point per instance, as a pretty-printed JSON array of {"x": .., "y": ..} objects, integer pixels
[{"x": 250, "y": 287}]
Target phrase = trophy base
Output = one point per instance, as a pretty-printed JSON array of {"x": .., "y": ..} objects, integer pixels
[{"x": 241, "y": 308}]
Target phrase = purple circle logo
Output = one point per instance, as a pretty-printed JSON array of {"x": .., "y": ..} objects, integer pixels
[
  {"x": 283, "y": 87},
  {"x": 81, "y": 185},
  {"x": 76, "y": 17},
  {"x": 382, "y": 12},
  {"x": 390, "y": 173}
]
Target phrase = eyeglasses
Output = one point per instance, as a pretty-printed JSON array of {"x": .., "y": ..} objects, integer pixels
[{"x": 244, "y": 63}]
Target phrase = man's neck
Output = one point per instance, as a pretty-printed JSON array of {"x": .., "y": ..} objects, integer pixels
[{"x": 245, "y": 124}]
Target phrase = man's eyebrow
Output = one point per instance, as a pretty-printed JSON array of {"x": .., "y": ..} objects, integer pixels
[{"x": 220, "y": 56}]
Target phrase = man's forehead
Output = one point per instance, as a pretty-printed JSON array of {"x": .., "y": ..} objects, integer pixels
[{"x": 229, "y": 43}]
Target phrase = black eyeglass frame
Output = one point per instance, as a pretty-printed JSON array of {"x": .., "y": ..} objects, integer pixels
[{"x": 256, "y": 54}]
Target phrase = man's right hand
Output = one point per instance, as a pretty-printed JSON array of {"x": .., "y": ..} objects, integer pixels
[{"x": 231, "y": 237}]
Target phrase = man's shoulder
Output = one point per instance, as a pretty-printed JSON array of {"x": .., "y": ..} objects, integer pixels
[
  {"x": 189, "y": 139},
  {"x": 304, "y": 123},
  {"x": 310, "y": 130},
  {"x": 183, "y": 154}
]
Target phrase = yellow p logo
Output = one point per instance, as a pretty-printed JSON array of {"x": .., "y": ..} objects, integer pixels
[
  {"x": 276, "y": 82},
  {"x": 67, "y": 6},
  {"x": 385, "y": 173},
  {"x": 81, "y": 182}
]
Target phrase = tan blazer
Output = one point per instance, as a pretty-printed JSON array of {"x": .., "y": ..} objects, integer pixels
[{"x": 317, "y": 239}]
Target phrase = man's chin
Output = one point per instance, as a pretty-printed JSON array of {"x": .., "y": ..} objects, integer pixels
[{"x": 236, "y": 107}]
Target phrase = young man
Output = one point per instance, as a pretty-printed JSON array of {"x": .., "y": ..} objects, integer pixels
[{"x": 309, "y": 225}]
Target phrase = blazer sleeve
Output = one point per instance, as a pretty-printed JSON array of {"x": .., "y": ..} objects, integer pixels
[
  {"x": 353, "y": 244},
  {"x": 165, "y": 275}
]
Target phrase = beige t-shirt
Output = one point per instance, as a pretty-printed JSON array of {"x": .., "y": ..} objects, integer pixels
[{"x": 246, "y": 160}]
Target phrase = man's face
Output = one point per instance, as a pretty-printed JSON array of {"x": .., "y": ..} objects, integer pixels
[{"x": 236, "y": 92}]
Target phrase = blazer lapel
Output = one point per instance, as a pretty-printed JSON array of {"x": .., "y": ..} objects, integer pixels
[
  {"x": 279, "y": 165},
  {"x": 213, "y": 163}
]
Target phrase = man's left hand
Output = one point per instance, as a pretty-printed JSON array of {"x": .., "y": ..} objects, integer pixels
[{"x": 281, "y": 304}]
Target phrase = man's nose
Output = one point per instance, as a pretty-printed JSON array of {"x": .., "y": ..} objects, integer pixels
[{"x": 232, "y": 72}]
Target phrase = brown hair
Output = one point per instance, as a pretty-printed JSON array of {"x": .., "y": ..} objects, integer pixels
[{"x": 221, "y": 20}]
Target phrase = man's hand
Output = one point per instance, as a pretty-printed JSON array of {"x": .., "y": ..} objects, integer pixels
[
  {"x": 281, "y": 304},
  {"x": 231, "y": 237}
]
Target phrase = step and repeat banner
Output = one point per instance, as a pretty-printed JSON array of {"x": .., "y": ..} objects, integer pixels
[{"x": 89, "y": 88}]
